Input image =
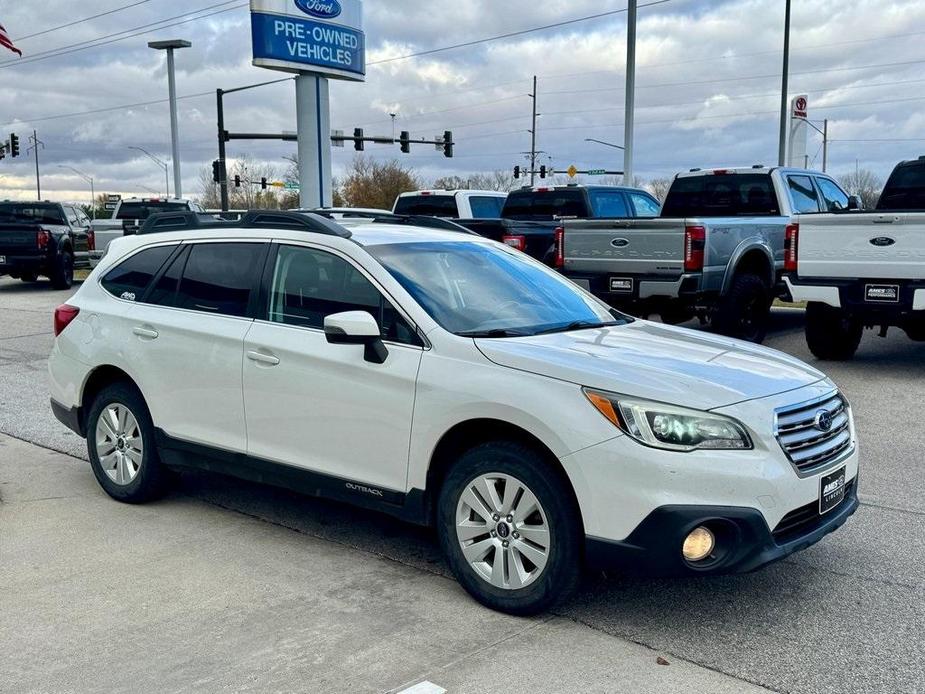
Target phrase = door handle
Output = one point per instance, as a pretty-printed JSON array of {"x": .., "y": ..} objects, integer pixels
[
  {"x": 262, "y": 358},
  {"x": 148, "y": 333}
]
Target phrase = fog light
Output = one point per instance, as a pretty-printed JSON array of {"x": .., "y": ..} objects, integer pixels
[{"x": 698, "y": 544}]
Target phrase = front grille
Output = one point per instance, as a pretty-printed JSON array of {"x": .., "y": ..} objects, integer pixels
[
  {"x": 807, "y": 445},
  {"x": 804, "y": 519}
]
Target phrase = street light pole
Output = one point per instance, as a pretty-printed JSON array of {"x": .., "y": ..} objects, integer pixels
[
  {"x": 159, "y": 162},
  {"x": 533, "y": 137},
  {"x": 89, "y": 179},
  {"x": 782, "y": 142},
  {"x": 630, "y": 92},
  {"x": 169, "y": 46}
]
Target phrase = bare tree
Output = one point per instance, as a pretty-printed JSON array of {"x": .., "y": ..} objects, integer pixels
[
  {"x": 865, "y": 184},
  {"x": 209, "y": 195},
  {"x": 369, "y": 183},
  {"x": 659, "y": 187}
]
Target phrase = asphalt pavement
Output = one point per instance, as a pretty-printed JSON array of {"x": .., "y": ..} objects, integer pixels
[{"x": 231, "y": 586}]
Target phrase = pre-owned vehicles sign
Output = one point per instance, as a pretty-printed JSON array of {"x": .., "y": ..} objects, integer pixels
[{"x": 319, "y": 36}]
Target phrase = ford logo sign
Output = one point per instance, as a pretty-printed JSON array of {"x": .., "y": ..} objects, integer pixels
[
  {"x": 882, "y": 241},
  {"x": 620, "y": 243},
  {"x": 322, "y": 9}
]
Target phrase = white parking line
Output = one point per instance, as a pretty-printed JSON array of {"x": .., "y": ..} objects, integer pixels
[{"x": 424, "y": 687}]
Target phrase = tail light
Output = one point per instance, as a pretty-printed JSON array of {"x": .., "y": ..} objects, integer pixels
[
  {"x": 42, "y": 239},
  {"x": 695, "y": 239},
  {"x": 515, "y": 241},
  {"x": 560, "y": 247},
  {"x": 791, "y": 247},
  {"x": 64, "y": 314},
  {"x": 91, "y": 240}
]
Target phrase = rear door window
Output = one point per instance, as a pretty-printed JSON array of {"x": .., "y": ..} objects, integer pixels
[
  {"x": 485, "y": 206},
  {"x": 428, "y": 205},
  {"x": 609, "y": 203},
  {"x": 644, "y": 205},
  {"x": 220, "y": 277},
  {"x": 130, "y": 278},
  {"x": 803, "y": 194}
]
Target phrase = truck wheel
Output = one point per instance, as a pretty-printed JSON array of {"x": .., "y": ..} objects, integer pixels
[
  {"x": 62, "y": 272},
  {"x": 673, "y": 314},
  {"x": 510, "y": 533},
  {"x": 830, "y": 333},
  {"x": 743, "y": 312},
  {"x": 28, "y": 277},
  {"x": 120, "y": 442}
]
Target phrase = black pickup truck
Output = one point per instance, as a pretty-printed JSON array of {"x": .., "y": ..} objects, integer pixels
[
  {"x": 44, "y": 238},
  {"x": 530, "y": 216}
]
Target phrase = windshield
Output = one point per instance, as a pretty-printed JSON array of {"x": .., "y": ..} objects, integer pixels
[
  {"x": 29, "y": 213},
  {"x": 427, "y": 205},
  {"x": 545, "y": 204},
  {"x": 483, "y": 290},
  {"x": 721, "y": 195},
  {"x": 143, "y": 210}
]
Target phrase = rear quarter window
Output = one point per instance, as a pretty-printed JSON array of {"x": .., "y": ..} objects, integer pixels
[{"x": 130, "y": 279}]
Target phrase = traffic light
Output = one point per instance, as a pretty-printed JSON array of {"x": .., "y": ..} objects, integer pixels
[
  {"x": 358, "y": 143},
  {"x": 237, "y": 180},
  {"x": 263, "y": 183},
  {"x": 448, "y": 144},
  {"x": 516, "y": 172},
  {"x": 543, "y": 171},
  {"x": 216, "y": 171},
  {"x": 14, "y": 145},
  {"x": 405, "y": 140}
]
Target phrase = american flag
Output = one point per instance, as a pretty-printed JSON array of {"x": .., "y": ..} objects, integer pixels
[{"x": 7, "y": 42}]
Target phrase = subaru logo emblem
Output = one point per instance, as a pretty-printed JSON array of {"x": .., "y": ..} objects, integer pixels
[
  {"x": 322, "y": 9},
  {"x": 823, "y": 420}
]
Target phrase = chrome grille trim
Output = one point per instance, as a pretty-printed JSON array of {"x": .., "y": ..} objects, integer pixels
[{"x": 807, "y": 447}]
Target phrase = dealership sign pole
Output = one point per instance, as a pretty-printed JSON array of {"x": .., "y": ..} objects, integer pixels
[{"x": 318, "y": 40}]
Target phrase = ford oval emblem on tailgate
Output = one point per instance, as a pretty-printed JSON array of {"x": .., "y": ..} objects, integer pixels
[
  {"x": 322, "y": 9},
  {"x": 882, "y": 241},
  {"x": 620, "y": 243}
]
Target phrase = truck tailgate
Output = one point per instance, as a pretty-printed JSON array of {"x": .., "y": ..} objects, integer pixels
[
  {"x": 18, "y": 237},
  {"x": 855, "y": 245},
  {"x": 651, "y": 247}
]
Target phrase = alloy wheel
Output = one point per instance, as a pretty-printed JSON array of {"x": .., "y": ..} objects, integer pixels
[{"x": 119, "y": 445}]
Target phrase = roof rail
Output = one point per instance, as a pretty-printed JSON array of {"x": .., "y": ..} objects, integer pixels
[
  {"x": 252, "y": 219},
  {"x": 416, "y": 220}
]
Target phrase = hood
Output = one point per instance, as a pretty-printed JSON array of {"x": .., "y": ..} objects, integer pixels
[{"x": 656, "y": 362}]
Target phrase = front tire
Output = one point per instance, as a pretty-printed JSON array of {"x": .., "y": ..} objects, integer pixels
[
  {"x": 510, "y": 532},
  {"x": 62, "y": 273},
  {"x": 744, "y": 311},
  {"x": 830, "y": 333},
  {"x": 121, "y": 446}
]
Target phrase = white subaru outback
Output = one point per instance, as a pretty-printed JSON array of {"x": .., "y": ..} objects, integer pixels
[{"x": 449, "y": 380}]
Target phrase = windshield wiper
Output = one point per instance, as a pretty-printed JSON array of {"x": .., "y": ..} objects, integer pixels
[
  {"x": 578, "y": 325},
  {"x": 494, "y": 332}
]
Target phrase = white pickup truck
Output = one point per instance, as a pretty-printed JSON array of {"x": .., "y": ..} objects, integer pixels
[
  {"x": 452, "y": 204},
  {"x": 862, "y": 269},
  {"x": 130, "y": 214}
]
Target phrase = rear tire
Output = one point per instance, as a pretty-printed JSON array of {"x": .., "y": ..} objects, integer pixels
[
  {"x": 830, "y": 333},
  {"x": 744, "y": 311},
  {"x": 531, "y": 563},
  {"x": 122, "y": 448},
  {"x": 673, "y": 314},
  {"x": 62, "y": 273},
  {"x": 28, "y": 277}
]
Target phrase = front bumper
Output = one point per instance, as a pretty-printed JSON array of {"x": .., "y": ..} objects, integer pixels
[{"x": 654, "y": 547}]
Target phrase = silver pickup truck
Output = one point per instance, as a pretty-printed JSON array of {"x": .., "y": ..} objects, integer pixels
[
  {"x": 862, "y": 270},
  {"x": 716, "y": 250}
]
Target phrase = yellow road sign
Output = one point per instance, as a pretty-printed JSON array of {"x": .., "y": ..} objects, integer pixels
[
  {"x": 277, "y": 184},
  {"x": 571, "y": 171}
]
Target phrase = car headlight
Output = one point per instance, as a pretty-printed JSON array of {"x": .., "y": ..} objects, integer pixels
[{"x": 669, "y": 427}]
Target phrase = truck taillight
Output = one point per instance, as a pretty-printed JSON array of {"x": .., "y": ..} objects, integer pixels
[
  {"x": 91, "y": 240},
  {"x": 64, "y": 314},
  {"x": 42, "y": 239},
  {"x": 515, "y": 241},
  {"x": 695, "y": 239},
  {"x": 560, "y": 247},
  {"x": 791, "y": 247}
]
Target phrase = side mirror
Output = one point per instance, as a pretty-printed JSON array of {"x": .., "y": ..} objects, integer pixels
[
  {"x": 854, "y": 202},
  {"x": 356, "y": 328}
]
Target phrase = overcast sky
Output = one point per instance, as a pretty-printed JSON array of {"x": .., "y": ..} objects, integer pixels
[{"x": 708, "y": 86}]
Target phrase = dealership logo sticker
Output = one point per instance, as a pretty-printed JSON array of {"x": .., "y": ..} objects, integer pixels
[{"x": 322, "y": 9}]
